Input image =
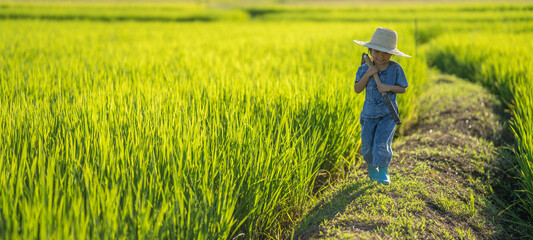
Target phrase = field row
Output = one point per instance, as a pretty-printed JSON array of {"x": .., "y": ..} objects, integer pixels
[
  {"x": 504, "y": 66},
  {"x": 482, "y": 13}
]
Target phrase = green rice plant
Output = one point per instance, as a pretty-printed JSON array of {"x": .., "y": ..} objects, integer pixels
[
  {"x": 118, "y": 129},
  {"x": 172, "y": 130},
  {"x": 426, "y": 14},
  {"x": 117, "y": 11},
  {"x": 494, "y": 13},
  {"x": 505, "y": 69},
  {"x": 523, "y": 114}
]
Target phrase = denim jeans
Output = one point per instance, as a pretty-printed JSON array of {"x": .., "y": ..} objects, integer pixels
[{"x": 376, "y": 140}]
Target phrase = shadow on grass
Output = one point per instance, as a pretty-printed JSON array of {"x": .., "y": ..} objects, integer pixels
[{"x": 330, "y": 207}]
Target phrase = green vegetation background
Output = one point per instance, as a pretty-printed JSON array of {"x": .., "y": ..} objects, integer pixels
[{"x": 189, "y": 121}]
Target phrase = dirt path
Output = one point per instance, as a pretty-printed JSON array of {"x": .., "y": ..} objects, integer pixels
[{"x": 443, "y": 176}]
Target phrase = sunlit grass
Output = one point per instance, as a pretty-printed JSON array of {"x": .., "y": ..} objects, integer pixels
[
  {"x": 120, "y": 129},
  {"x": 504, "y": 66},
  {"x": 173, "y": 130}
]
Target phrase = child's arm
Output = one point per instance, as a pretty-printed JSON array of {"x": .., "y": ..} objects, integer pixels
[
  {"x": 390, "y": 88},
  {"x": 361, "y": 85}
]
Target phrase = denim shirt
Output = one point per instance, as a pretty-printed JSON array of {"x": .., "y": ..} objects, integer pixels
[{"x": 374, "y": 106}]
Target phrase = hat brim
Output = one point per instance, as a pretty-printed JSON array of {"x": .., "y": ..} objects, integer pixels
[{"x": 381, "y": 48}]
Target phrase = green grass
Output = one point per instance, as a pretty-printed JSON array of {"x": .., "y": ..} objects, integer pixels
[
  {"x": 189, "y": 122},
  {"x": 443, "y": 14},
  {"x": 441, "y": 181},
  {"x": 184, "y": 12},
  {"x": 197, "y": 130},
  {"x": 503, "y": 68}
]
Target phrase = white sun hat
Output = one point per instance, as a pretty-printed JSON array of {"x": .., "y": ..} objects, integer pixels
[{"x": 383, "y": 40}]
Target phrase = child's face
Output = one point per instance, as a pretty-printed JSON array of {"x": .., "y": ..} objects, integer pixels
[{"x": 380, "y": 57}]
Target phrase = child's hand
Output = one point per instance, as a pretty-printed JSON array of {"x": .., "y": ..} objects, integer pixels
[
  {"x": 390, "y": 88},
  {"x": 384, "y": 88},
  {"x": 372, "y": 69}
]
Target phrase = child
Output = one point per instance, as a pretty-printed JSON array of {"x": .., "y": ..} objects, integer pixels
[{"x": 377, "y": 124}]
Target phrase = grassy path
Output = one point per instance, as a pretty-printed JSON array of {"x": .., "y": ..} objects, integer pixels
[{"x": 446, "y": 177}]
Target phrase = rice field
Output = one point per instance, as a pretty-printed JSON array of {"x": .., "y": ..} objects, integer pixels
[
  {"x": 504, "y": 67},
  {"x": 158, "y": 122}
]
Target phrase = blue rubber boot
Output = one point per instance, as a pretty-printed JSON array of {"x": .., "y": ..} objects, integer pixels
[
  {"x": 384, "y": 176},
  {"x": 373, "y": 172}
]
